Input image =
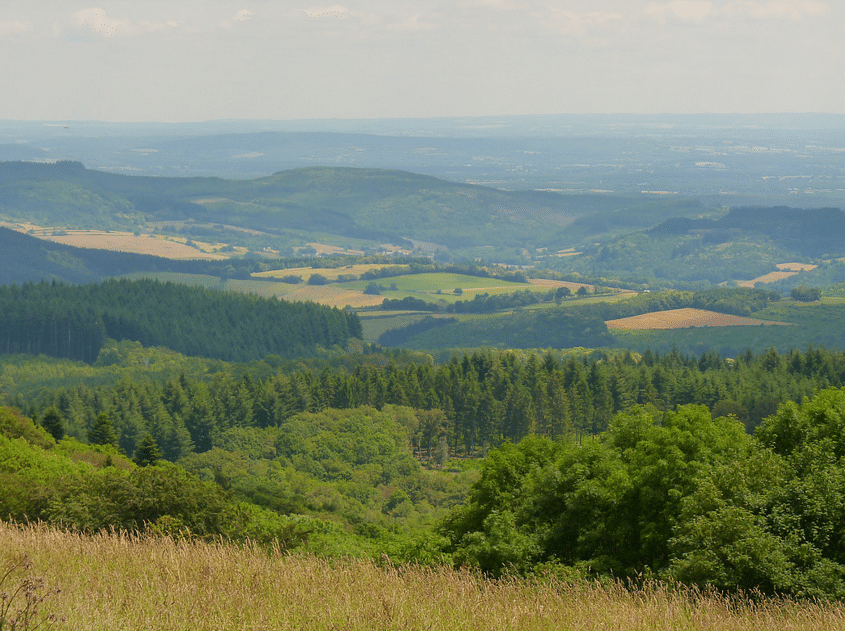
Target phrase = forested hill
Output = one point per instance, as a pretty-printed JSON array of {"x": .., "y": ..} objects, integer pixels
[
  {"x": 371, "y": 204},
  {"x": 816, "y": 232},
  {"x": 24, "y": 258},
  {"x": 74, "y": 321}
]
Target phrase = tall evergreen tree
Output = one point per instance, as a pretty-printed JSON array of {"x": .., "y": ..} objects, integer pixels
[
  {"x": 147, "y": 452},
  {"x": 102, "y": 431},
  {"x": 53, "y": 423}
]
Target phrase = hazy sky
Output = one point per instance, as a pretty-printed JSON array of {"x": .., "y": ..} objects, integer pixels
[{"x": 192, "y": 60}]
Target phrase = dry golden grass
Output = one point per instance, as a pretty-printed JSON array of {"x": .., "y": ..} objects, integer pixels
[
  {"x": 796, "y": 267},
  {"x": 765, "y": 278},
  {"x": 554, "y": 284},
  {"x": 330, "y": 273},
  {"x": 170, "y": 248},
  {"x": 114, "y": 582},
  {"x": 683, "y": 318},
  {"x": 786, "y": 270},
  {"x": 332, "y": 296}
]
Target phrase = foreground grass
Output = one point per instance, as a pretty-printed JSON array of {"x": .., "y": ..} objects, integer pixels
[{"x": 111, "y": 581}]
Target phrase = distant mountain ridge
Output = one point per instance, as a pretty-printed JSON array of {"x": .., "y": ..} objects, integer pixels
[
  {"x": 814, "y": 232},
  {"x": 373, "y": 204}
]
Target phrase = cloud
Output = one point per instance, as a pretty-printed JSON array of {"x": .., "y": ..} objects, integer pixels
[
  {"x": 683, "y": 9},
  {"x": 334, "y": 11},
  {"x": 242, "y": 16},
  {"x": 95, "y": 22},
  {"x": 782, "y": 9},
  {"x": 571, "y": 23},
  {"x": 14, "y": 27},
  {"x": 409, "y": 24}
]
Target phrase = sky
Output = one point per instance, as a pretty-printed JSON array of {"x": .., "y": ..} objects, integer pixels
[{"x": 198, "y": 60}]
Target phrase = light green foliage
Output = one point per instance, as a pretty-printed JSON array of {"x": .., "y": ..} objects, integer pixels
[{"x": 354, "y": 464}]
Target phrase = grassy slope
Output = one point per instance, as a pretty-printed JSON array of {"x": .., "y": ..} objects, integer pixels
[
  {"x": 818, "y": 324},
  {"x": 118, "y": 582}
]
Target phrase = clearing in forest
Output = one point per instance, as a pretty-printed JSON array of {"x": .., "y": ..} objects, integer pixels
[
  {"x": 683, "y": 318},
  {"x": 786, "y": 270}
]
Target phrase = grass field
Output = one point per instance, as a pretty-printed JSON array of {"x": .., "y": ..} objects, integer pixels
[
  {"x": 109, "y": 581},
  {"x": 440, "y": 280},
  {"x": 683, "y": 318}
]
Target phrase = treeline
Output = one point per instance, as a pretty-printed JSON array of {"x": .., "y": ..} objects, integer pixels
[
  {"x": 741, "y": 301},
  {"x": 74, "y": 321},
  {"x": 94, "y": 488},
  {"x": 469, "y": 404},
  {"x": 485, "y": 303},
  {"x": 674, "y": 496}
]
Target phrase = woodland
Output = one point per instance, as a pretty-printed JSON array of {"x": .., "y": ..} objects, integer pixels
[{"x": 472, "y": 413}]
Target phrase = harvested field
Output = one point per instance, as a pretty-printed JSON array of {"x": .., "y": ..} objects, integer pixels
[
  {"x": 796, "y": 267},
  {"x": 684, "y": 318},
  {"x": 171, "y": 248},
  {"x": 554, "y": 284},
  {"x": 329, "y": 273},
  {"x": 765, "y": 278},
  {"x": 128, "y": 242},
  {"x": 786, "y": 270},
  {"x": 333, "y": 296}
]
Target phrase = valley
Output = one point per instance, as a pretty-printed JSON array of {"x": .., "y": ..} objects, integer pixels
[{"x": 592, "y": 370}]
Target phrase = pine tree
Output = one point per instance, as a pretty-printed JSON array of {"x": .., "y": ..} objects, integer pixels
[
  {"x": 53, "y": 423},
  {"x": 147, "y": 452},
  {"x": 102, "y": 431}
]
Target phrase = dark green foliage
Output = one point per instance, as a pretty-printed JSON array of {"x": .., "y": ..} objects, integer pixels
[
  {"x": 806, "y": 294},
  {"x": 54, "y": 424},
  {"x": 147, "y": 452},
  {"x": 544, "y": 328},
  {"x": 317, "y": 279},
  {"x": 408, "y": 303},
  {"x": 474, "y": 399},
  {"x": 74, "y": 321},
  {"x": 676, "y": 496},
  {"x": 401, "y": 335},
  {"x": 373, "y": 289},
  {"x": 102, "y": 431}
]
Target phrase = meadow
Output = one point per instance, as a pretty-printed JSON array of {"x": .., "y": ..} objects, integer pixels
[{"x": 119, "y": 581}]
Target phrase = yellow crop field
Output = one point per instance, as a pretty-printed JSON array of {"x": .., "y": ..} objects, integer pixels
[
  {"x": 113, "y": 581},
  {"x": 554, "y": 284},
  {"x": 332, "y": 296},
  {"x": 796, "y": 267},
  {"x": 785, "y": 271},
  {"x": 684, "y": 318},
  {"x": 330, "y": 273}
]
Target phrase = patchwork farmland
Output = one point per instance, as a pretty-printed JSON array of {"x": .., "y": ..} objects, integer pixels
[{"x": 685, "y": 318}]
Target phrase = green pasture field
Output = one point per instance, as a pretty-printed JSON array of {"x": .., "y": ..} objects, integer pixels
[{"x": 374, "y": 326}]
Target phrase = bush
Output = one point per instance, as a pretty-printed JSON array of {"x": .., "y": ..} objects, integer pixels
[{"x": 318, "y": 279}]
